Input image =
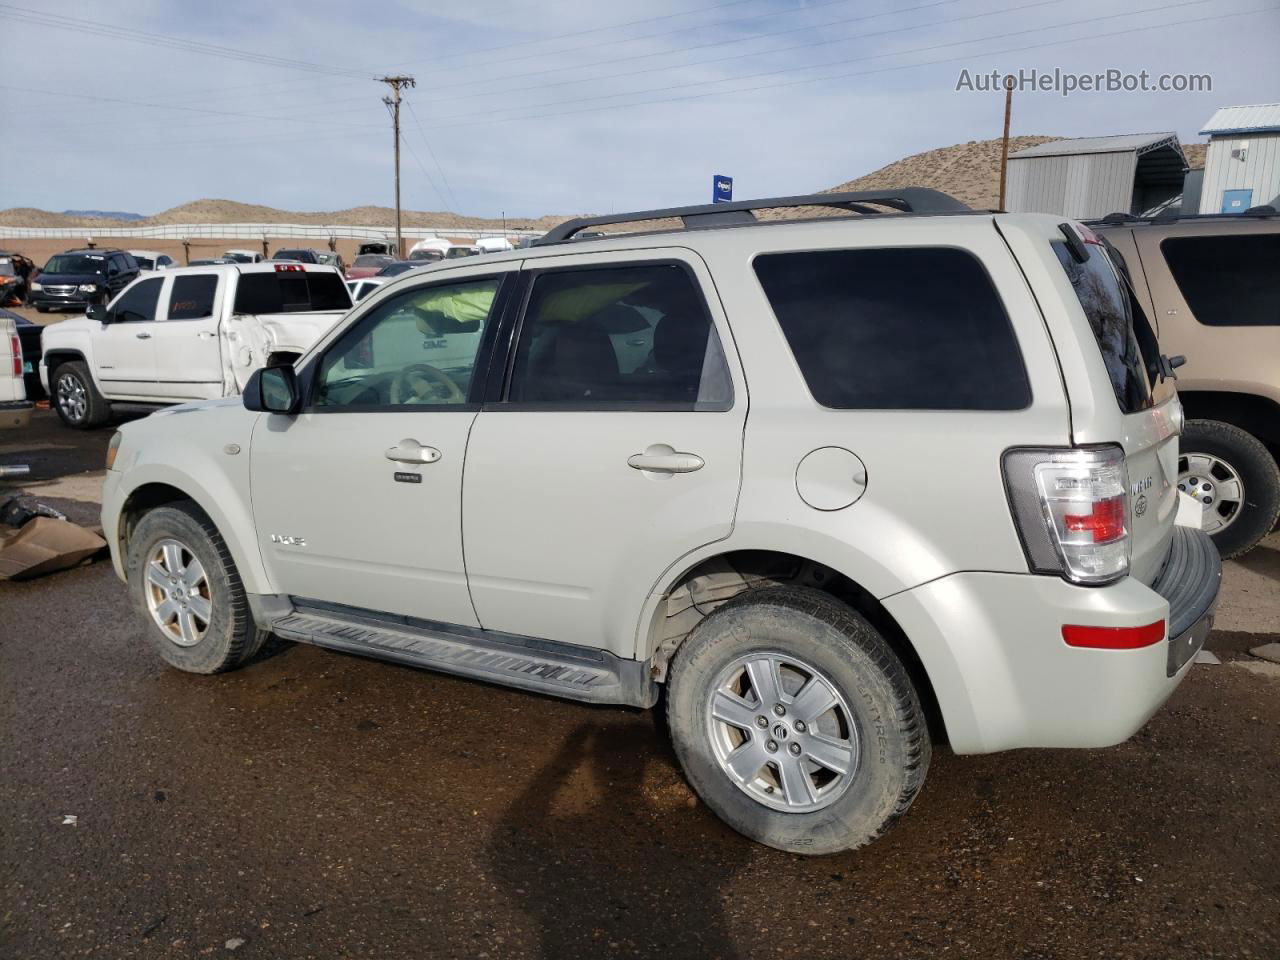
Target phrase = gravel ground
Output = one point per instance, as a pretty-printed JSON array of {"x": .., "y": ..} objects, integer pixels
[{"x": 319, "y": 805}]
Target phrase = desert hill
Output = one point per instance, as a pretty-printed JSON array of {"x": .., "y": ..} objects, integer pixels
[{"x": 968, "y": 171}]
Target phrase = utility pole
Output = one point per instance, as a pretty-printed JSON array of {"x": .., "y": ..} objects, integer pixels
[
  {"x": 1004, "y": 146},
  {"x": 396, "y": 84}
]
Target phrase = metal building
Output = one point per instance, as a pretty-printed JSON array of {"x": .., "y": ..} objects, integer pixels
[
  {"x": 1090, "y": 177},
  {"x": 1242, "y": 168}
]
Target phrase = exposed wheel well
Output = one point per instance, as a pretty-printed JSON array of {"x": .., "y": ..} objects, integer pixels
[
  {"x": 699, "y": 590},
  {"x": 146, "y": 497},
  {"x": 56, "y": 358},
  {"x": 1260, "y": 416}
]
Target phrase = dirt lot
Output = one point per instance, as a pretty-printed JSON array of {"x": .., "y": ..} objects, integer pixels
[{"x": 318, "y": 805}]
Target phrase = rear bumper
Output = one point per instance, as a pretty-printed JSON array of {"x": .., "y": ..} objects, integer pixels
[
  {"x": 1003, "y": 676},
  {"x": 16, "y": 413}
]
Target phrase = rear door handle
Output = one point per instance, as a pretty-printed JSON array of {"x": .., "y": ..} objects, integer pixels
[
  {"x": 143, "y": 335},
  {"x": 411, "y": 451},
  {"x": 660, "y": 458}
]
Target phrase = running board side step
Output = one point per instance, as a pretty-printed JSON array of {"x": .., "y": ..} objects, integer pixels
[{"x": 527, "y": 663}]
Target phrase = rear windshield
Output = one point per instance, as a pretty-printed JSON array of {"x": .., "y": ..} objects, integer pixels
[
  {"x": 145, "y": 263},
  {"x": 1111, "y": 310},
  {"x": 76, "y": 263},
  {"x": 292, "y": 292},
  {"x": 1228, "y": 281},
  {"x": 304, "y": 256}
]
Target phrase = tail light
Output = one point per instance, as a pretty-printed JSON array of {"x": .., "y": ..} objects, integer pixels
[
  {"x": 1072, "y": 510},
  {"x": 15, "y": 347},
  {"x": 289, "y": 268}
]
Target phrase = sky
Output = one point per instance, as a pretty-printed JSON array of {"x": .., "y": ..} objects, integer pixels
[{"x": 568, "y": 106}]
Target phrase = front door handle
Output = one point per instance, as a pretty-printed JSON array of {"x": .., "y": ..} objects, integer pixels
[
  {"x": 660, "y": 458},
  {"x": 411, "y": 451},
  {"x": 143, "y": 335}
]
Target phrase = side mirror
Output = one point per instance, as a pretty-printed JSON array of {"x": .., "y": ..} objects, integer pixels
[
  {"x": 99, "y": 312},
  {"x": 273, "y": 390}
]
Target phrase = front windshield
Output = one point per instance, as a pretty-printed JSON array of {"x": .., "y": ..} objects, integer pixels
[
  {"x": 76, "y": 263},
  {"x": 239, "y": 257}
]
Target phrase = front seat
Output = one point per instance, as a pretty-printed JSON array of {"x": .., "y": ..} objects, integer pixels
[{"x": 581, "y": 365}]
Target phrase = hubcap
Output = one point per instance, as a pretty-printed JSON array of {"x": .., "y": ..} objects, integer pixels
[
  {"x": 1215, "y": 485},
  {"x": 72, "y": 398},
  {"x": 782, "y": 732},
  {"x": 178, "y": 593}
]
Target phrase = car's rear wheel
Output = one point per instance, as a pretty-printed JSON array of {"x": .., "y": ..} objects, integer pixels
[
  {"x": 76, "y": 398},
  {"x": 796, "y": 723},
  {"x": 187, "y": 592},
  {"x": 1234, "y": 478}
]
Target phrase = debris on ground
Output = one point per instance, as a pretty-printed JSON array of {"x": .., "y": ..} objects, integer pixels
[
  {"x": 68, "y": 819},
  {"x": 1208, "y": 657},
  {"x": 1268, "y": 651},
  {"x": 35, "y": 539},
  {"x": 235, "y": 943}
]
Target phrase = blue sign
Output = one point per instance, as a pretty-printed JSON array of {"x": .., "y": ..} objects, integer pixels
[
  {"x": 721, "y": 188},
  {"x": 1236, "y": 201}
]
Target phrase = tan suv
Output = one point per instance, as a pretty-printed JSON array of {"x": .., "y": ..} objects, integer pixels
[{"x": 1212, "y": 286}]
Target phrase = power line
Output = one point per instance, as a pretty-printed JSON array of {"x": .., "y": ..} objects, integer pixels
[
  {"x": 100, "y": 29},
  {"x": 863, "y": 73},
  {"x": 397, "y": 84},
  {"x": 786, "y": 70},
  {"x": 453, "y": 201}
]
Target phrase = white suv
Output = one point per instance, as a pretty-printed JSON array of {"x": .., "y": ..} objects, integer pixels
[{"x": 841, "y": 485}]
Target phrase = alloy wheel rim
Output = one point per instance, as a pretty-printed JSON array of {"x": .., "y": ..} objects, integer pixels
[
  {"x": 72, "y": 397},
  {"x": 782, "y": 732},
  {"x": 1214, "y": 484},
  {"x": 178, "y": 594}
]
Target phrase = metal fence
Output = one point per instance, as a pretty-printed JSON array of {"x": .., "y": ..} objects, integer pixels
[{"x": 240, "y": 231}]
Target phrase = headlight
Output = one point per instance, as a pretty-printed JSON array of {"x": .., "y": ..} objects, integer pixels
[
  {"x": 88, "y": 288},
  {"x": 36, "y": 286},
  {"x": 112, "y": 448}
]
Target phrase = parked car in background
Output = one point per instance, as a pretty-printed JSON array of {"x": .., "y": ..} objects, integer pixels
[
  {"x": 385, "y": 247},
  {"x": 153, "y": 260},
  {"x": 461, "y": 250},
  {"x": 211, "y": 261},
  {"x": 190, "y": 333},
  {"x": 29, "y": 337},
  {"x": 16, "y": 273},
  {"x": 298, "y": 255},
  {"x": 429, "y": 254},
  {"x": 494, "y": 245},
  {"x": 77, "y": 278},
  {"x": 953, "y": 500},
  {"x": 362, "y": 288},
  {"x": 15, "y": 408},
  {"x": 1212, "y": 284},
  {"x": 367, "y": 265},
  {"x": 438, "y": 244},
  {"x": 243, "y": 256},
  {"x": 397, "y": 267}
]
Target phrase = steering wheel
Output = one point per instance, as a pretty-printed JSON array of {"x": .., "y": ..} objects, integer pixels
[{"x": 431, "y": 385}]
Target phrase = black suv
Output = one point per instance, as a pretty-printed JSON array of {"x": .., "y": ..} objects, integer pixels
[{"x": 78, "y": 278}]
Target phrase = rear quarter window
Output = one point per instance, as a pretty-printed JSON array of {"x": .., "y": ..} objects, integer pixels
[
  {"x": 910, "y": 328},
  {"x": 1231, "y": 281},
  {"x": 1110, "y": 309}
]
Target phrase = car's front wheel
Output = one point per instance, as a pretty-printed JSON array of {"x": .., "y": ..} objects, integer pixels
[
  {"x": 187, "y": 592},
  {"x": 796, "y": 723},
  {"x": 76, "y": 398}
]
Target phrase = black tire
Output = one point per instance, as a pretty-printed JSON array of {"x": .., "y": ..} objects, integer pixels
[
  {"x": 1252, "y": 461},
  {"x": 41, "y": 308},
  {"x": 95, "y": 410},
  {"x": 231, "y": 637},
  {"x": 846, "y": 651}
]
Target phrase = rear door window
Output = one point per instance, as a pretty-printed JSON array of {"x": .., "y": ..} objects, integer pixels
[
  {"x": 290, "y": 291},
  {"x": 192, "y": 297},
  {"x": 908, "y": 328},
  {"x": 1110, "y": 309},
  {"x": 633, "y": 337},
  {"x": 1231, "y": 281}
]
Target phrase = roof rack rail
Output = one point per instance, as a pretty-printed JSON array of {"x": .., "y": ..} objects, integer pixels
[
  {"x": 1263, "y": 212},
  {"x": 703, "y": 216}
]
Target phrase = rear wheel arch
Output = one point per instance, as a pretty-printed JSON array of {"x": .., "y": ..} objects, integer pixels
[
  {"x": 707, "y": 584},
  {"x": 1250, "y": 412}
]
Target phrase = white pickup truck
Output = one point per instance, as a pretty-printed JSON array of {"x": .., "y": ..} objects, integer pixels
[{"x": 189, "y": 333}]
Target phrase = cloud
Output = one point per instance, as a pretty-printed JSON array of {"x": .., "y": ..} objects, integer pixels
[{"x": 534, "y": 108}]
